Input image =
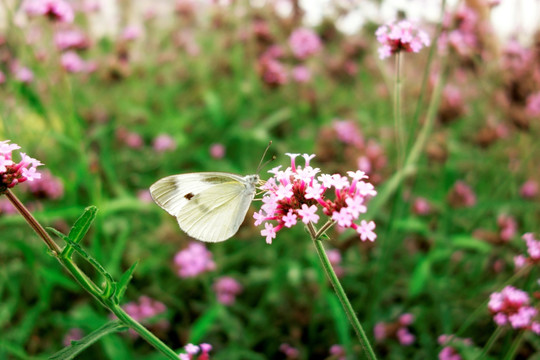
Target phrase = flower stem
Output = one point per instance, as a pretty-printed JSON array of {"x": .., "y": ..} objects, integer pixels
[
  {"x": 398, "y": 121},
  {"x": 31, "y": 220},
  {"x": 87, "y": 284},
  {"x": 342, "y": 296},
  {"x": 494, "y": 337}
]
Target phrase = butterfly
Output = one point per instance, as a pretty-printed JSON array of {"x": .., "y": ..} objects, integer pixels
[{"x": 209, "y": 206}]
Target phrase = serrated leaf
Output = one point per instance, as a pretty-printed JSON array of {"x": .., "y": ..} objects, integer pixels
[
  {"x": 420, "y": 276},
  {"x": 82, "y": 225},
  {"x": 78, "y": 346},
  {"x": 124, "y": 281},
  {"x": 467, "y": 242},
  {"x": 203, "y": 324}
]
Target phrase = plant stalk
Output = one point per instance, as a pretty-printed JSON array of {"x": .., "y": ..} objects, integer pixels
[{"x": 342, "y": 296}]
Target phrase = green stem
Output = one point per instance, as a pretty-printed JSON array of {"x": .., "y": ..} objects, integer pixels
[
  {"x": 143, "y": 332},
  {"x": 494, "y": 337},
  {"x": 398, "y": 121},
  {"x": 342, "y": 296},
  {"x": 515, "y": 346},
  {"x": 103, "y": 297}
]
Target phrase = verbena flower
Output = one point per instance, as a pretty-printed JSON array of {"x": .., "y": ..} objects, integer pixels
[
  {"x": 512, "y": 307},
  {"x": 529, "y": 189},
  {"x": 73, "y": 334},
  {"x": 163, "y": 143},
  {"x": 451, "y": 345},
  {"x": 398, "y": 330},
  {"x": 226, "y": 289},
  {"x": 290, "y": 352},
  {"x": 72, "y": 62},
  {"x": 143, "y": 309},
  {"x": 295, "y": 195},
  {"x": 56, "y": 10},
  {"x": 304, "y": 43},
  {"x": 400, "y": 36},
  {"x": 46, "y": 187},
  {"x": 193, "y": 260},
  {"x": 12, "y": 173},
  {"x": 71, "y": 39},
  {"x": 192, "y": 350},
  {"x": 533, "y": 252}
]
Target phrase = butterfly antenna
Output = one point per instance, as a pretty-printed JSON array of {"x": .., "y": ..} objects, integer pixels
[{"x": 261, "y": 165}]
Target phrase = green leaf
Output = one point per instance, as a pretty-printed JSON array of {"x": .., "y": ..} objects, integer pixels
[
  {"x": 467, "y": 242},
  {"x": 59, "y": 234},
  {"x": 420, "y": 276},
  {"x": 124, "y": 281},
  {"x": 78, "y": 346},
  {"x": 203, "y": 324},
  {"x": 82, "y": 225}
]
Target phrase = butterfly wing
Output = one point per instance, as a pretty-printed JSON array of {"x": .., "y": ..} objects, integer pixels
[
  {"x": 216, "y": 213},
  {"x": 209, "y": 206}
]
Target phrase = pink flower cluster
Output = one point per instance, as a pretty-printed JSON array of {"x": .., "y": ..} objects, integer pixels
[
  {"x": 192, "y": 350},
  {"x": 46, "y": 187},
  {"x": 533, "y": 250},
  {"x": 533, "y": 104},
  {"x": 507, "y": 227},
  {"x": 56, "y": 10},
  {"x": 290, "y": 352},
  {"x": 144, "y": 309},
  {"x": 71, "y": 39},
  {"x": 304, "y": 42},
  {"x": 338, "y": 352},
  {"x": 296, "y": 194},
  {"x": 73, "y": 63},
  {"x": 462, "y": 195},
  {"x": 12, "y": 173},
  {"x": 226, "y": 289},
  {"x": 450, "y": 352},
  {"x": 193, "y": 260},
  {"x": 401, "y": 36},
  {"x": 398, "y": 329},
  {"x": 512, "y": 306},
  {"x": 461, "y": 31}
]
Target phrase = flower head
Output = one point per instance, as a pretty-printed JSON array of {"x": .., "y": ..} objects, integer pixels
[
  {"x": 512, "y": 307},
  {"x": 12, "y": 173},
  {"x": 298, "y": 194},
  {"x": 226, "y": 289},
  {"x": 192, "y": 350},
  {"x": 400, "y": 36},
  {"x": 304, "y": 43},
  {"x": 56, "y": 10},
  {"x": 193, "y": 260}
]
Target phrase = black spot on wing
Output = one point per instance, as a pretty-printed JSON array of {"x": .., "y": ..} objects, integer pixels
[{"x": 189, "y": 196}]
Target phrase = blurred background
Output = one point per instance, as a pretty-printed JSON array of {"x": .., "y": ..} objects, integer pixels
[{"x": 113, "y": 95}]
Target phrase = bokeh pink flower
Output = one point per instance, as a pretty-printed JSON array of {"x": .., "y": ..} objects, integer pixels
[
  {"x": 400, "y": 36},
  {"x": 194, "y": 260}
]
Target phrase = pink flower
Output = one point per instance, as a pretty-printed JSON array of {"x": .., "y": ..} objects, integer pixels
[
  {"x": 507, "y": 226},
  {"x": 461, "y": 195},
  {"x": 193, "y": 260},
  {"x": 406, "y": 319},
  {"x": 73, "y": 334},
  {"x": 163, "y": 143},
  {"x": 299, "y": 191},
  {"x": 421, "y": 206},
  {"x": 290, "y": 352},
  {"x": 533, "y": 104},
  {"x": 2, "y": 77},
  {"x": 12, "y": 173},
  {"x": 401, "y": 36},
  {"x": 144, "y": 309},
  {"x": 272, "y": 71},
  {"x": 71, "y": 39},
  {"x": 131, "y": 32},
  {"x": 452, "y": 344},
  {"x": 379, "y": 331},
  {"x": 192, "y": 350},
  {"x": 334, "y": 256},
  {"x": 56, "y": 10},
  {"x": 512, "y": 306},
  {"x": 348, "y": 133},
  {"x": 23, "y": 74},
  {"x": 304, "y": 43},
  {"x": 72, "y": 62},
  {"x": 529, "y": 189},
  {"x": 301, "y": 74},
  {"x": 226, "y": 289},
  {"x": 47, "y": 186},
  {"x": 405, "y": 338},
  {"x": 217, "y": 151}
]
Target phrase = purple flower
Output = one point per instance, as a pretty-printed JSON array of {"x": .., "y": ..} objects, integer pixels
[
  {"x": 299, "y": 191},
  {"x": 301, "y": 74},
  {"x": 217, "y": 151},
  {"x": 12, "y": 173},
  {"x": 23, "y": 74},
  {"x": 56, "y": 10},
  {"x": 512, "y": 306},
  {"x": 304, "y": 43},
  {"x": 144, "y": 309},
  {"x": 163, "y": 143},
  {"x": 71, "y": 39},
  {"x": 192, "y": 350},
  {"x": 226, "y": 289},
  {"x": 193, "y": 260},
  {"x": 47, "y": 186},
  {"x": 401, "y": 36},
  {"x": 72, "y": 62},
  {"x": 529, "y": 189},
  {"x": 272, "y": 71}
]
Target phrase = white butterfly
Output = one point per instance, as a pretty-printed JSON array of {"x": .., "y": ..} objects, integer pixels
[{"x": 209, "y": 206}]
